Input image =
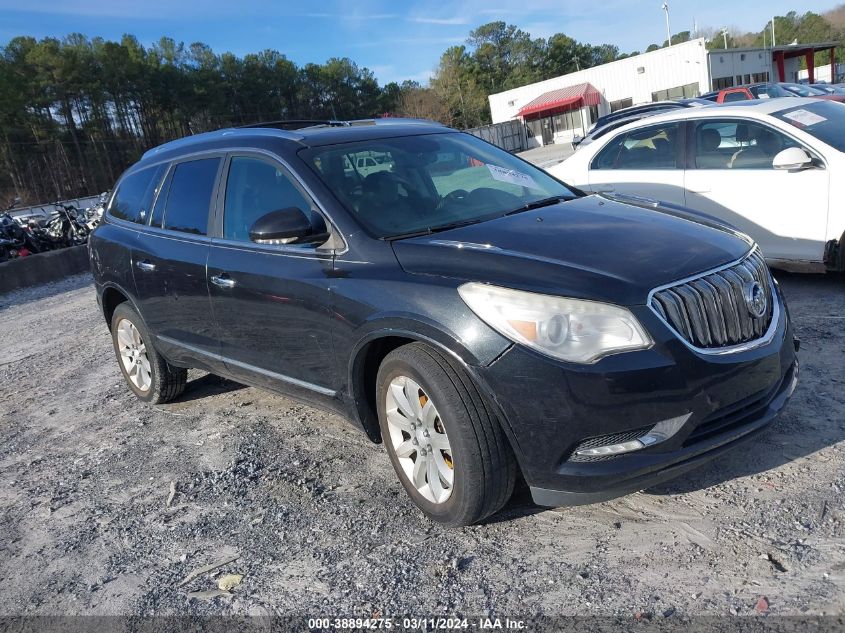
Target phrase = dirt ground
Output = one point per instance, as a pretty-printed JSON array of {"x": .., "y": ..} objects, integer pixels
[{"x": 319, "y": 523}]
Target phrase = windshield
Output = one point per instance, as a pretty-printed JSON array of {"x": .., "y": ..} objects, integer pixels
[
  {"x": 770, "y": 91},
  {"x": 803, "y": 91},
  {"x": 429, "y": 182},
  {"x": 824, "y": 119}
]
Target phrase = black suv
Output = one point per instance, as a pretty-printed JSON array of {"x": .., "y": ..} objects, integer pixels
[{"x": 478, "y": 316}]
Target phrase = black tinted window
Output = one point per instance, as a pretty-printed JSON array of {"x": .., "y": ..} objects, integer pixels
[
  {"x": 135, "y": 195},
  {"x": 254, "y": 188},
  {"x": 190, "y": 196}
]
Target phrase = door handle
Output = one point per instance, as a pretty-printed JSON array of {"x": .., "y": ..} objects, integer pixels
[
  {"x": 146, "y": 265},
  {"x": 223, "y": 281}
]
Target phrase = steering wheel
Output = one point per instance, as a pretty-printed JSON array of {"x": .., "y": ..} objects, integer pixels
[{"x": 452, "y": 196}]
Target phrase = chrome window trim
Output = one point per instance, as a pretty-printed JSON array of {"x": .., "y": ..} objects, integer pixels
[
  {"x": 732, "y": 349},
  {"x": 178, "y": 236},
  {"x": 305, "y": 251},
  {"x": 258, "y": 370}
]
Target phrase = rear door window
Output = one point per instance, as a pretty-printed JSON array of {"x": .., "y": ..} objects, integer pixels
[
  {"x": 654, "y": 147},
  {"x": 189, "y": 196},
  {"x": 135, "y": 194}
]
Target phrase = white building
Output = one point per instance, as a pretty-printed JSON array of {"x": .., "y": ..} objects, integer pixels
[{"x": 558, "y": 109}]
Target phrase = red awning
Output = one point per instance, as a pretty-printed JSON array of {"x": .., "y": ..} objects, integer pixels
[{"x": 580, "y": 95}]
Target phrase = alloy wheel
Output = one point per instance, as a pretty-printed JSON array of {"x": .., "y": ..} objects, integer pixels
[
  {"x": 133, "y": 355},
  {"x": 419, "y": 439}
]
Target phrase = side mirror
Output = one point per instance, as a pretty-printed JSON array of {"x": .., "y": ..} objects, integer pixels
[
  {"x": 792, "y": 159},
  {"x": 289, "y": 226}
]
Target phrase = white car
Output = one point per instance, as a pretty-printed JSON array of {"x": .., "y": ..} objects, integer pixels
[{"x": 773, "y": 168}]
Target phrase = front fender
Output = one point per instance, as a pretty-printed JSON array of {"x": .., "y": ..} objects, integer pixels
[{"x": 379, "y": 336}]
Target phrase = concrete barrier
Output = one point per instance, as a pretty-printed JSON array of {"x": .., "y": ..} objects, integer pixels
[{"x": 43, "y": 267}]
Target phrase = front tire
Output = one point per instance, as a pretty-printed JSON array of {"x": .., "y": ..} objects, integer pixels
[
  {"x": 442, "y": 437},
  {"x": 150, "y": 377}
]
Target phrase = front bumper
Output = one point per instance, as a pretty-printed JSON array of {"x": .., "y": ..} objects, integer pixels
[{"x": 551, "y": 408}]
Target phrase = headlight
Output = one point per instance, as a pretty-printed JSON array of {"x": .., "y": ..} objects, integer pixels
[{"x": 573, "y": 330}]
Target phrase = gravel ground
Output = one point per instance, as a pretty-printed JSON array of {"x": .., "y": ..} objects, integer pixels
[{"x": 319, "y": 524}]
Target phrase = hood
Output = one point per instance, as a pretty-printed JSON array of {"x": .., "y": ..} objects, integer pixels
[{"x": 591, "y": 248}]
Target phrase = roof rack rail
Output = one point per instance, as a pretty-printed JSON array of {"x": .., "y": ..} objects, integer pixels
[
  {"x": 296, "y": 124},
  {"x": 299, "y": 124}
]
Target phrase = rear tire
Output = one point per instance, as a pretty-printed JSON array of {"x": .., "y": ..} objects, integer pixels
[
  {"x": 452, "y": 425},
  {"x": 150, "y": 377}
]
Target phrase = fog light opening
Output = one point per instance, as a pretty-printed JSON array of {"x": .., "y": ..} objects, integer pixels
[
  {"x": 611, "y": 449},
  {"x": 660, "y": 432}
]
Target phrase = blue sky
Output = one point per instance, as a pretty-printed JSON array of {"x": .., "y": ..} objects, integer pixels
[{"x": 395, "y": 39}]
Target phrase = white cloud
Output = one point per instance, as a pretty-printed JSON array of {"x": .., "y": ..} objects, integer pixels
[
  {"x": 442, "y": 21},
  {"x": 352, "y": 16}
]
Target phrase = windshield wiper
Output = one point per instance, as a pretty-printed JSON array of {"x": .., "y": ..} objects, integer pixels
[
  {"x": 435, "y": 229},
  {"x": 536, "y": 204}
]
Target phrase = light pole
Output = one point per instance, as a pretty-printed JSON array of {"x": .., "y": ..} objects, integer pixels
[{"x": 665, "y": 7}]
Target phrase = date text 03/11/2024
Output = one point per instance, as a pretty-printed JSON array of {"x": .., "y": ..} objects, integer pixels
[{"x": 423, "y": 623}]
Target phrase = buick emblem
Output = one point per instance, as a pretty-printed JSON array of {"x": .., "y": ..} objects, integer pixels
[{"x": 755, "y": 299}]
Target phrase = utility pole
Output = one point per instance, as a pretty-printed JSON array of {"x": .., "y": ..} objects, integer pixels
[
  {"x": 725, "y": 36},
  {"x": 668, "y": 30},
  {"x": 773, "y": 32},
  {"x": 577, "y": 63}
]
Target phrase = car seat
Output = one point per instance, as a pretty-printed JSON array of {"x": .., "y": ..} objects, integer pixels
[
  {"x": 381, "y": 203},
  {"x": 750, "y": 156},
  {"x": 708, "y": 155}
]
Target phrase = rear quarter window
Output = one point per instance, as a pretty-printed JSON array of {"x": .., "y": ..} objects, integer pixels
[{"x": 135, "y": 194}]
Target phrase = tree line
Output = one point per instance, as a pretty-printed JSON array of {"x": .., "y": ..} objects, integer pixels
[
  {"x": 75, "y": 112},
  {"x": 792, "y": 27}
]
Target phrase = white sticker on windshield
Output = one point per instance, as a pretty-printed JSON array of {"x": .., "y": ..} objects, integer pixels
[
  {"x": 804, "y": 117},
  {"x": 513, "y": 177}
]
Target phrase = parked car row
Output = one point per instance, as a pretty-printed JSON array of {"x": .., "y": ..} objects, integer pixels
[{"x": 771, "y": 91}]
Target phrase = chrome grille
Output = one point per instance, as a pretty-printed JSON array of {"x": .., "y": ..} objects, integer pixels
[{"x": 711, "y": 311}]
